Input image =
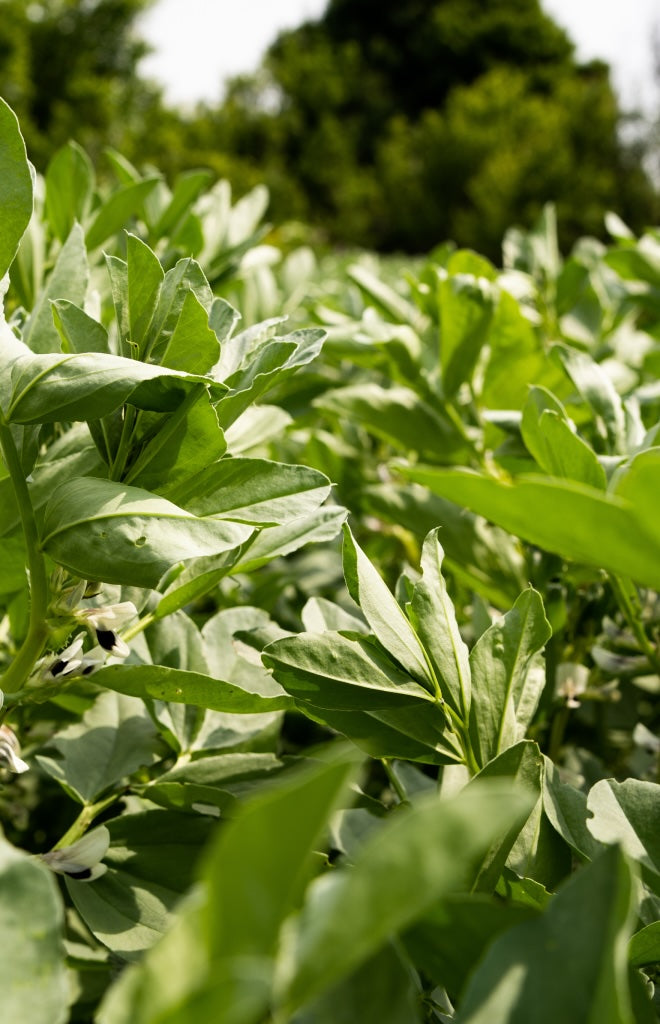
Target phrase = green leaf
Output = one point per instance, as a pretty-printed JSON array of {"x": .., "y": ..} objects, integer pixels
[
  {"x": 569, "y": 964},
  {"x": 151, "y": 864},
  {"x": 86, "y": 386},
  {"x": 330, "y": 671},
  {"x": 466, "y": 311},
  {"x": 253, "y": 491},
  {"x": 562, "y": 516},
  {"x": 434, "y": 618},
  {"x": 68, "y": 280},
  {"x": 398, "y": 416},
  {"x": 507, "y": 677},
  {"x": 566, "y": 809},
  {"x": 628, "y": 813},
  {"x": 272, "y": 362},
  {"x": 383, "y": 613},
  {"x": 144, "y": 280},
  {"x": 550, "y": 438},
  {"x": 417, "y": 732},
  {"x": 598, "y": 390},
  {"x": 32, "y": 969},
  {"x": 117, "y": 210},
  {"x": 69, "y": 188},
  {"x": 16, "y": 180},
  {"x": 107, "y": 531},
  {"x": 178, "y": 686},
  {"x": 523, "y": 763},
  {"x": 78, "y": 331},
  {"x": 644, "y": 947},
  {"x": 112, "y": 740},
  {"x": 448, "y": 942},
  {"x": 198, "y": 576},
  {"x": 276, "y": 541},
  {"x": 258, "y": 869},
  {"x": 418, "y": 856},
  {"x": 193, "y": 345},
  {"x": 383, "y": 990},
  {"x": 185, "y": 441},
  {"x": 186, "y": 189}
]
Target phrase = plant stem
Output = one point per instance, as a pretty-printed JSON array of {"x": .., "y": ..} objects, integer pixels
[
  {"x": 37, "y": 633},
  {"x": 393, "y": 780},
  {"x": 119, "y": 464},
  {"x": 84, "y": 820},
  {"x": 628, "y": 601}
]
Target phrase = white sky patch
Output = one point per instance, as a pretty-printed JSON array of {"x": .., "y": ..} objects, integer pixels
[{"x": 199, "y": 43}]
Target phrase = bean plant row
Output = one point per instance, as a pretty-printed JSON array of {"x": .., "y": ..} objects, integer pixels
[{"x": 328, "y": 616}]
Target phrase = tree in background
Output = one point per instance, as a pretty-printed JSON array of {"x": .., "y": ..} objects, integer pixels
[
  {"x": 69, "y": 70},
  {"x": 393, "y": 124},
  {"x": 398, "y": 123}
]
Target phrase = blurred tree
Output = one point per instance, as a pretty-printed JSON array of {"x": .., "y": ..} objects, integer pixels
[
  {"x": 398, "y": 123},
  {"x": 69, "y": 70}
]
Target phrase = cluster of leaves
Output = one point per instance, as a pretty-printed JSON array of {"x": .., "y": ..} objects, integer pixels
[{"x": 432, "y": 755}]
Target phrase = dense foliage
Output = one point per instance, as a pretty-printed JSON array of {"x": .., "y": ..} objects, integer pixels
[{"x": 408, "y": 776}]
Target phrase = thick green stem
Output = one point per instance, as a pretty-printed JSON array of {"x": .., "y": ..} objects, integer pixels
[
  {"x": 85, "y": 819},
  {"x": 35, "y": 640}
]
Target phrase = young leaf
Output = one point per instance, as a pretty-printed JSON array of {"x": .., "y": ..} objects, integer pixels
[
  {"x": 435, "y": 624},
  {"x": 16, "y": 208},
  {"x": 114, "y": 212},
  {"x": 78, "y": 331},
  {"x": 384, "y": 614},
  {"x": 68, "y": 280},
  {"x": 69, "y": 188},
  {"x": 193, "y": 345},
  {"x": 144, "y": 279},
  {"x": 507, "y": 678},
  {"x": 107, "y": 531}
]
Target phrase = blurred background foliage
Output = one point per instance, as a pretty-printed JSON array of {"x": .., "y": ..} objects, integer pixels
[{"x": 388, "y": 124}]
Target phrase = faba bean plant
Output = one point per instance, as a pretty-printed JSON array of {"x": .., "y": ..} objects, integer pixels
[{"x": 328, "y": 640}]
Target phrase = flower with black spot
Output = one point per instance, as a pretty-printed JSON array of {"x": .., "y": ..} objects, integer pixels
[
  {"x": 10, "y": 750},
  {"x": 105, "y": 622},
  {"x": 82, "y": 860}
]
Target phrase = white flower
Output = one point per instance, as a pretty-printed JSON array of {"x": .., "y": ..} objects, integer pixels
[
  {"x": 105, "y": 622},
  {"x": 10, "y": 750},
  {"x": 68, "y": 660},
  {"x": 81, "y": 860}
]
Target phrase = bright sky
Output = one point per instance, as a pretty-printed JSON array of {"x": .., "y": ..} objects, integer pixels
[{"x": 199, "y": 43}]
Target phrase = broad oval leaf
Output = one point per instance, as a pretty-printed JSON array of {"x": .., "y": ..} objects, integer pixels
[
  {"x": 562, "y": 516},
  {"x": 328, "y": 670},
  {"x": 53, "y": 387},
  {"x": 179, "y": 686},
  {"x": 108, "y": 531}
]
